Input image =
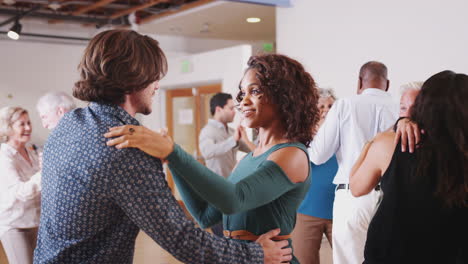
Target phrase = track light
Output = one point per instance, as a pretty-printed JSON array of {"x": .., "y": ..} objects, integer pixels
[{"x": 15, "y": 31}]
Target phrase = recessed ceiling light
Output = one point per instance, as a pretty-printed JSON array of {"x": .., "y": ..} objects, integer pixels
[{"x": 253, "y": 19}]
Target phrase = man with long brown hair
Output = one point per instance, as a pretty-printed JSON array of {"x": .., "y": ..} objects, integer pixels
[{"x": 95, "y": 198}]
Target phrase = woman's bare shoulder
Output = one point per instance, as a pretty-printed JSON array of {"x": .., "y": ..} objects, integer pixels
[
  {"x": 293, "y": 161},
  {"x": 385, "y": 140}
]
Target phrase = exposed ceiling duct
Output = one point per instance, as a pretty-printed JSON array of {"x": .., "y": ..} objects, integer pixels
[
  {"x": 92, "y": 13},
  {"x": 50, "y": 15}
]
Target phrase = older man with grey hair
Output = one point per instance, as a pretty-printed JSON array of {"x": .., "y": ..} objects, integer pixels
[
  {"x": 409, "y": 91},
  {"x": 349, "y": 124},
  {"x": 52, "y": 106}
]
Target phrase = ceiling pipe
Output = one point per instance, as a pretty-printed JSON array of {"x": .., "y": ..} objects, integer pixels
[
  {"x": 136, "y": 8},
  {"x": 102, "y": 20},
  {"x": 176, "y": 9},
  {"x": 63, "y": 4},
  {"x": 20, "y": 15},
  {"x": 87, "y": 8}
]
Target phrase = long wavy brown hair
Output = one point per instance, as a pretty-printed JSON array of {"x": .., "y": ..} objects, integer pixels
[
  {"x": 290, "y": 88},
  {"x": 116, "y": 63},
  {"x": 440, "y": 110}
]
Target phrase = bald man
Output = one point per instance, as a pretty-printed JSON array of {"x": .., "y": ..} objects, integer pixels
[{"x": 350, "y": 123}]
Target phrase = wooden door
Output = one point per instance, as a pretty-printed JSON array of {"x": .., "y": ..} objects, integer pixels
[{"x": 187, "y": 112}]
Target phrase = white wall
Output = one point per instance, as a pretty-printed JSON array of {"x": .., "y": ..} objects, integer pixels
[
  {"x": 28, "y": 70},
  {"x": 415, "y": 39},
  {"x": 225, "y": 66},
  {"x": 198, "y": 45}
]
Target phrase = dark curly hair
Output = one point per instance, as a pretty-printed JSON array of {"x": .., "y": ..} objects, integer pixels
[
  {"x": 440, "y": 109},
  {"x": 116, "y": 63},
  {"x": 287, "y": 85}
]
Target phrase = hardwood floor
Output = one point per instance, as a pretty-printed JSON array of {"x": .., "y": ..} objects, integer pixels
[
  {"x": 3, "y": 258},
  {"x": 326, "y": 256},
  {"x": 148, "y": 252}
]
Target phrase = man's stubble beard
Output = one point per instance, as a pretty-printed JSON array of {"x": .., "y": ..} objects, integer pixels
[{"x": 144, "y": 108}]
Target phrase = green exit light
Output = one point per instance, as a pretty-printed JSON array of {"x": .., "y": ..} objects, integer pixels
[
  {"x": 268, "y": 47},
  {"x": 186, "y": 66}
]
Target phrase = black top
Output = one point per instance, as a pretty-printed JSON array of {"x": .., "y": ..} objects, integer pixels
[{"x": 411, "y": 225}]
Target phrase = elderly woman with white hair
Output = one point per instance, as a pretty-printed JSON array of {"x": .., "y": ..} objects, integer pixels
[
  {"x": 314, "y": 216},
  {"x": 20, "y": 186},
  {"x": 52, "y": 106}
]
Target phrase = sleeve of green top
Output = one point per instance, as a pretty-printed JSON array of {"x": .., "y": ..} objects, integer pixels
[
  {"x": 205, "y": 214},
  {"x": 260, "y": 187}
]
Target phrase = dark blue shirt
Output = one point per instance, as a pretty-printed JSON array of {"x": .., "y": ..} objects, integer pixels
[
  {"x": 319, "y": 200},
  {"x": 95, "y": 199}
]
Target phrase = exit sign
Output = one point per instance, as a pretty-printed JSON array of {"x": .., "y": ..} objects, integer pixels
[{"x": 186, "y": 66}]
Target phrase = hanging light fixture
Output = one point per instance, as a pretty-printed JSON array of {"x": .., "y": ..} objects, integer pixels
[{"x": 15, "y": 31}]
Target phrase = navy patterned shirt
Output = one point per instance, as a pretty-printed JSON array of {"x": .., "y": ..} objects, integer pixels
[{"x": 96, "y": 198}]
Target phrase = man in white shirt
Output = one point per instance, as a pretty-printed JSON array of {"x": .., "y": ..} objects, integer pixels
[
  {"x": 219, "y": 143},
  {"x": 350, "y": 123}
]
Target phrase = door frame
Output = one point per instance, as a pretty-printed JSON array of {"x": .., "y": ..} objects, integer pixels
[{"x": 185, "y": 92}]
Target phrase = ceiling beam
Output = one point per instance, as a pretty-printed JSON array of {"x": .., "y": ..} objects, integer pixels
[
  {"x": 136, "y": 8},
  {"x": 87, "y": 8},
  {"x": 83, "y": 10},
  {"x": 172, "y": 12},
  {"x": 63, "y": 17},
  {"x": 18, "y": 16}
]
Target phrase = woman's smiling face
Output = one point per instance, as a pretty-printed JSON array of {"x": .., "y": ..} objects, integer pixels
[
  {"x": 21, "y": 129},
  {"x": 255, "y": 108}
]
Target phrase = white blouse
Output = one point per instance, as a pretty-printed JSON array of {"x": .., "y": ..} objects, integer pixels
[{"x": 20, "y": 189}]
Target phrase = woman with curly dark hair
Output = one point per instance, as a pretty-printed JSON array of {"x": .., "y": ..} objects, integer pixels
[
  {"x": 423, "y": 215},
  {"x": 277, "y": 97}
]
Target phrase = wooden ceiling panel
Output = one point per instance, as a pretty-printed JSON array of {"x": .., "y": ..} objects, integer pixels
[
  {"x": 90, "y": 7},
  {"x": 88, "y": 12}
]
